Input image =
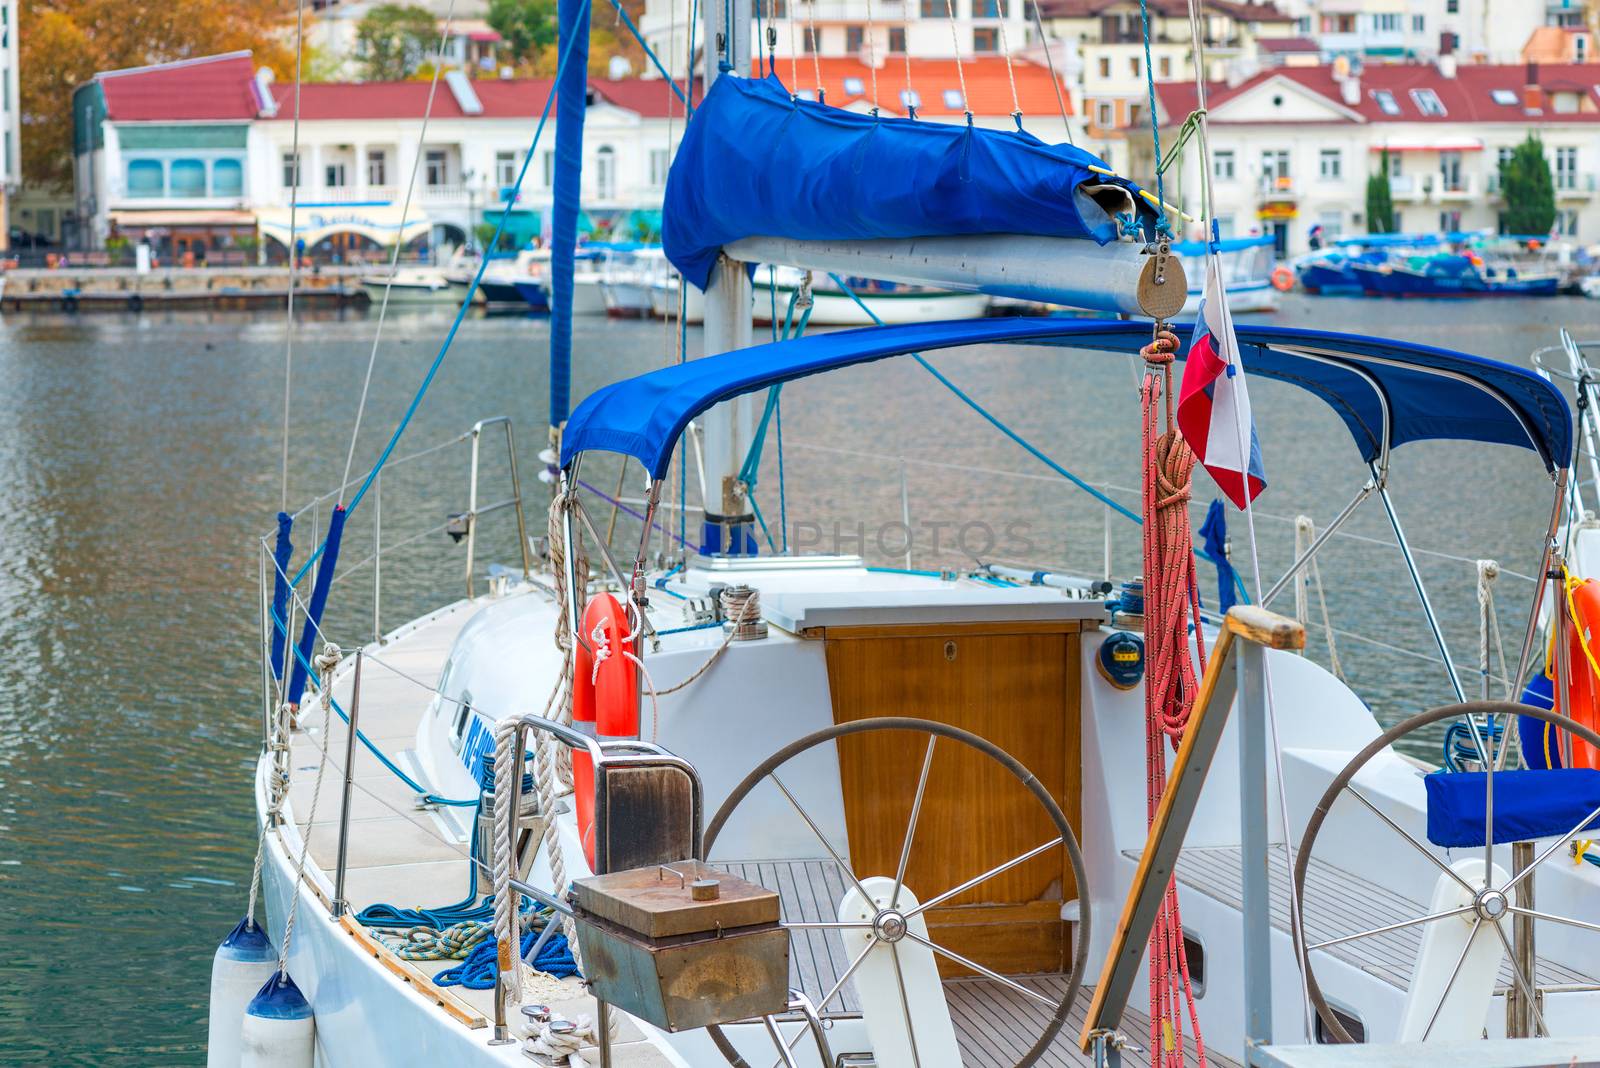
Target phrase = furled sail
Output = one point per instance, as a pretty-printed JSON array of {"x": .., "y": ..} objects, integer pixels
[{"x": 756, "y": 162}]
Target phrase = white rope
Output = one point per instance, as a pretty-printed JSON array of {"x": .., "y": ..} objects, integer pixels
[
  {"x": 1304, "y": 534},
  {"x": 905, "y": 54},
  {"x": 872, "y": 64},
  {"x": 563, "y": 1046},
  {"x": 961, "y": 72},
  {"x": 1489, "y": 627},
  {"x": 394, "y": 256},
  {"x": 294, "y": 204},
  {"x": 507, "y": 786},
  {"x": 326, "y": 662},
  {"x": 1005, "y": 50},
  {"x": 816, "y": 46}
]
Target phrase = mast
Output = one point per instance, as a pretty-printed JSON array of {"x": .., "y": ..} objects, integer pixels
[
  {"x": 571, "y": 89},
  {"x": 729, "y": 521}
]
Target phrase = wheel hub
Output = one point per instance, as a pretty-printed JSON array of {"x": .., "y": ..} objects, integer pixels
[
  {"x": 890, "y": 925},
  {"x": 1491, "y": 904}
]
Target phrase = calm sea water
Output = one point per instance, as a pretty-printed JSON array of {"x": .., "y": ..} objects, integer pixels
[{"x": 139, "y": 458}]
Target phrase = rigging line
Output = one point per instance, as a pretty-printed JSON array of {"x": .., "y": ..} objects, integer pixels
[
  {"x": 455, "y": 325},
  {"x": 760, "y": 7},
  {"x": 794, "y": 55},
  {"x": 872, "y": 67},
  {"x": 909, "y": 100},
  {"x": 399, "y": 240},
  {"x": 961, "y": 72},
  {"x": 1297, "y": 929},
  {"x": 1050, "y": 62},
  {"x": 993, "y": 421},
  {"x": 816, "y": 64},
  {"x": 650, "y": 52},
  {"x": 1011, "y": 74},
  {"x": 1155, "y": 124},
  {"x": 294, "y": 203}
]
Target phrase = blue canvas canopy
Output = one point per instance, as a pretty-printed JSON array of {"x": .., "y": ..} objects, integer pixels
[
  {"x": 1386, "y": 392},
  {"x": 756, "y": 162},
  {"x": 1528, "y": 804}
]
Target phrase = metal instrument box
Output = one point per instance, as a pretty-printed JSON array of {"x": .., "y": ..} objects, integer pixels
[{"x": 683, "y": 945}]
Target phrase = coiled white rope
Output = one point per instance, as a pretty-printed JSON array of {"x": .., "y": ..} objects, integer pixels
[{"x": 562, "y": 1044}]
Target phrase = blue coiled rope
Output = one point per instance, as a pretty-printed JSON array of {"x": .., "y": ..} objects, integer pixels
[{"x": 482, "y": 966}]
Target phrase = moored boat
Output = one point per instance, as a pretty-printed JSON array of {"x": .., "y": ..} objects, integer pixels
[
  {"x": 410, "y": 285},
  {"x": 873, "y": 301}
]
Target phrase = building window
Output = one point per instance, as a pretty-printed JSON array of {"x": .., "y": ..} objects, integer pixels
[
  {"x": 146, "y": 178},
  {"x": 909, "y": 98},
  {"x": 333, "y": 175},
  {"x": 660, "y": 163},
  {"x": 953, "y": 100},
  {"x": 777, "y": 9},
  {"x": 605, "y": 173},
  {"x": 1564, "y": 103},
  {"x": 854, "y": 38},
  {"x": 935, "y": 9},
  {"x": 377, "y": 168},
  {"x": 854, "y": 87},
  {"x": 1136, "y": 66},
  {"x": 1419, "y": 24},
  {"x": 435, "y": 168},
  {"x": 1105, "y": 66},
  {"x": 1450, "y": 173},
  {"x": 988, "y": 9},
  {"x": 1504, "y": 97},
  {"x": 505, "y": 169},
  {"x": 897, "y": 40},
  {"x": 1452, "y": 7},
  {"x": 986, "y": 39},
  {"x": 291, "y": 170},
  {"x": 1428, "y": 102},
  {"x": 1385, "y": 101},
  {"x": 1222, "y": 165},
  {"x": 1567, "y": 222},
  {"x": 1164, "y": 65},
  {"x": 548, "y": 164},
  {"x": 227, "y": 178},
  {"x": 808, "y": 40},
  {"x": 1105, "y": 115},
  {"x": 1275, "y": 168},
  {"x": 1330, "y": 165},
  {"x": 188, "y": 178},
  {"x": 1566, "y": 168},
  {"x": 1387, "y": 22},
  {"x": 1394, "y": 164}
]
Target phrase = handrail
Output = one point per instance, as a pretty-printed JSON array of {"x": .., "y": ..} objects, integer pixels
[{"x": 1248, "y": 630}]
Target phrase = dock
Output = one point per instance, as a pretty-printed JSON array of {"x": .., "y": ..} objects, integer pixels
[{"x": 74, "y": 289}]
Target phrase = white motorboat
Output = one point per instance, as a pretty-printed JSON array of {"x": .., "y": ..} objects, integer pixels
[
  {"x": 1247, "y": 273},
  {"x": 411, "y": 285},
  {"x": 627, "y": 279},
  {"x": 887, "y": 303}
]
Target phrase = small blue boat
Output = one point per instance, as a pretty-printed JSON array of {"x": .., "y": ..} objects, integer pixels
[{"x": 533, "y": 293}]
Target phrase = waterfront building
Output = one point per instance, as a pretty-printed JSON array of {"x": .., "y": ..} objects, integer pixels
[
  {"x": 1292, "y": 147},
  {"x": 1109, "y": 35},
  {"x": 472, "y": 44},
  {"x": 1482, "y": 31}
]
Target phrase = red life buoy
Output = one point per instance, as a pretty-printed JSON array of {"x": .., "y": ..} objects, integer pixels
[
  {"x": 605, "y": 696},
  {"x": 1282, "y": 278},
  {"x": 1583, "y": 658}
]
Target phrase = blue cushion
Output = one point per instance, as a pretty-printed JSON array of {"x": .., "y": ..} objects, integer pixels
[{"x": 1535, "y": 803}]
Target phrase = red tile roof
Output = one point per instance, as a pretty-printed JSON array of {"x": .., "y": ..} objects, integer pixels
[
  {"x": 988, "y": 84},
  {"x": 1288, "y": 44},
  {"x": 1467, "y": 97},
  {"x": 510, "y": 98},
  {"x": 214, "y": 87}
]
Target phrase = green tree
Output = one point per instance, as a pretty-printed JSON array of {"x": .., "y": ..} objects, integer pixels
[
  {"x": 1528, "y": 190},
  {"x": 526, "y": 27},
  {"x": 1380, "y": 206},
  {"x": 394, "y": 40}
]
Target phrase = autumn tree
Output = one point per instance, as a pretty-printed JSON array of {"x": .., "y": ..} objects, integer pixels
[
  {"x": 65, "y": 43},
  {"x": 393, "y": 41}
]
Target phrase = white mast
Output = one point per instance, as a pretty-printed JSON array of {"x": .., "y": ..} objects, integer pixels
[{"x": 728, "y": 427}]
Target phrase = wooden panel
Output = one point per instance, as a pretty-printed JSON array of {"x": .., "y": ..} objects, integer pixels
[
  {"x": 1017, "y": 690},
  {"x": 947, "y": 630}
]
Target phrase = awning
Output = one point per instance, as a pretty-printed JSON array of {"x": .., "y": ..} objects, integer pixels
[
  {"x": 756, "y": 162},
  {"x": 1386, "y": 392},
  {"x": 135, "y": 219},
  {"x": 314, "y": 222},
  {"x": 1441, "y": 143}
]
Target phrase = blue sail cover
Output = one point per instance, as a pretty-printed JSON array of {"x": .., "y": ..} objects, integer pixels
[
  {"x": 1386, "y": 392},
  {"x": 756, "y": 163}
]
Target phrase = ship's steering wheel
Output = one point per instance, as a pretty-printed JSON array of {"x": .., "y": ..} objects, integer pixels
[{"x": 890, "y": 926}]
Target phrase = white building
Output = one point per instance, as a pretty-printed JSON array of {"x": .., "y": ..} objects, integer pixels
[
  {"x": 1292, "y": 148},
  {"x": 331, "y": 35},
  {"x": 1482, "y": 31},
  {"x": 10, "y": 117},
  {"x": 198, "y": 158}
]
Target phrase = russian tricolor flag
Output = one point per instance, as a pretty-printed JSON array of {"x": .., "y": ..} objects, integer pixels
[{"x": 1213, "y": 403}]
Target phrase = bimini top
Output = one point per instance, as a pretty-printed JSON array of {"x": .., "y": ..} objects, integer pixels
[
  {"x": 1386, "y": 392},
  {"x": 755, "y": 162}
]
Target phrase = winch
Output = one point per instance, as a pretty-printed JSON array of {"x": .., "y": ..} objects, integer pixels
[{"x": 682, "y": 945}]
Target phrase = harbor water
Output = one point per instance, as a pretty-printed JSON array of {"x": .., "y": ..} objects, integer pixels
[{"x": 140, "y": 461}]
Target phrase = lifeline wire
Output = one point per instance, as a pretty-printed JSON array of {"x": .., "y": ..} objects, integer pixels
[
  {"x": 294, "y": 203},
  {"x": 399, "y": 239}
]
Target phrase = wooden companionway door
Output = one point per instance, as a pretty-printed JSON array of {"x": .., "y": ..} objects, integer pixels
[{"x": 1015, "y": 684}]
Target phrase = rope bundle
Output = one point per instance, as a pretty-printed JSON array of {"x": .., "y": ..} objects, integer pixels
[
  {"x": 1172, "y": 601},
  {"x": 452, "y": 943}
]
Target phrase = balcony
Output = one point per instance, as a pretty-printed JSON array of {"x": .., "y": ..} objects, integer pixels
[
  {"x": 1277, "y": 187},
  {"x": 1460, "y": 189},
  {"x": 892, "y": 12}
]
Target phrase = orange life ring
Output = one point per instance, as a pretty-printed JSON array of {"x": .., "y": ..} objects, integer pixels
[
  {"x": 1582, "y": 691},
  {"x": 605, "y": 696},
  {"x": 1282, "y": 278}
]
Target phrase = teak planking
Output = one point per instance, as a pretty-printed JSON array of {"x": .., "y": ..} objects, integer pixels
[
  {"x": 419, "y": 980},
  {"x": 1014, "y": 685}
]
